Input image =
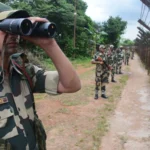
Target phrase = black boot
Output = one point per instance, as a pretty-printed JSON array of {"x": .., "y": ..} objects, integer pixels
[
  {"x": 113, "y": 80},
  {"x": 120, "y": 72},
  {"x": 103, "y": 90},
  {"x": 104, "y": 96},
  {"x": 96, "y": 93},
  {"x": 96, "y": 96},
  {"x": 107, "y": 81}
]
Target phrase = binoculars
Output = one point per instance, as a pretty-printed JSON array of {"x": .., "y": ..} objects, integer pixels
[{"x": 25, "y": 27}]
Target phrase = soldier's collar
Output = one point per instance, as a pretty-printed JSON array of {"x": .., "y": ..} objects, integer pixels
[{"x": 18, "y": 58}]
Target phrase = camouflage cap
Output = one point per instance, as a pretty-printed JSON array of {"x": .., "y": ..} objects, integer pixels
[
  {"x": 8, "y": 12},
  {"x": 101, "y": 46},
  {"x": 111, "y": 46}
]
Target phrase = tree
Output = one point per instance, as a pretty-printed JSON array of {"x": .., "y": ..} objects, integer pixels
[
  {"x": 62, "y": 13},
  {"x": 114, "y": 27},
  {"x": 126, "y": 42}
]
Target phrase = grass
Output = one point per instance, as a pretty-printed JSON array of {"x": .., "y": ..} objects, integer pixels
[
  {"x": 127, "y": 68},
  {"x": 75, "y": 102},
  {"x": 99, "y": 132},
  {"x": 123, "y": 80},
  {"x": 81, "y": 61},
  {"x": 39, "y": 96},
  {"x": 48, "y": 64},
  {"x": 63, "y": 110}
]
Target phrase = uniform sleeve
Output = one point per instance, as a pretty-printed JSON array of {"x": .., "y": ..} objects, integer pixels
[
  {"x": 103, "y": 56},
  {"x": 94, "y": 57},
  {"x": 45, "y": 81}
]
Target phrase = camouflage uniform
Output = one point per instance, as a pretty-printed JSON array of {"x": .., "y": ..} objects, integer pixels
[
  {"x": 132, "y": 53},
  {"x": 101, "y": 74},
  {"x": 17, "y": 116},
  {"x": 120, "y": 57},
  {"x": 127, "y": 56},
  {"x": 111, "y": 60},
  {"x": 123, "y": 51},
  {"x": 107, "y": 52}
]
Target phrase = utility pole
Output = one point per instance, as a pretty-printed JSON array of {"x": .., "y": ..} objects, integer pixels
[{"x": 75, "y": 18}]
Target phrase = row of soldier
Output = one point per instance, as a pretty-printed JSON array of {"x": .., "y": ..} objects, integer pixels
[{"x": 109, "y": 62}]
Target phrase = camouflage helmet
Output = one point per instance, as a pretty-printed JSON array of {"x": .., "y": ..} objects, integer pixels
[
  {"x": 101, "y": 46},
  {"x": 8, "y": 12},
  {"x": 111, "y": 46}
]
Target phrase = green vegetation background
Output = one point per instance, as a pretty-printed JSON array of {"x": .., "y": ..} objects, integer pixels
[{"x": 88, "y": 32}]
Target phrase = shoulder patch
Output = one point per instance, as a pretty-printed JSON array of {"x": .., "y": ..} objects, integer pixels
[{"x": 3, "y": 100}]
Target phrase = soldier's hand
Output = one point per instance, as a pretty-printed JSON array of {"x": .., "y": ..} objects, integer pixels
[
  {"x": 101, "y": 62},
  {"x": 99, "y": 59},
  {"x": 110, "y": 68}
]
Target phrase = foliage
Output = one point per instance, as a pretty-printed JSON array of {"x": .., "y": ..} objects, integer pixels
[
  {"x": 62, "y": 12},
  {"x": 126, "y": 42},
  {"x": 114, "y": 27}
]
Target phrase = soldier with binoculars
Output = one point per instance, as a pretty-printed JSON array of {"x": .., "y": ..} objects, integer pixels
[{"x": 20, "y": 128}]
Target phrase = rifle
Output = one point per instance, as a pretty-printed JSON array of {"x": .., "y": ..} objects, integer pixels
[{"x": 104, "y": 62}]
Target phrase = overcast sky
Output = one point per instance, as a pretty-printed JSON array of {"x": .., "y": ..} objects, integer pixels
[{"x": 128, "y": 10}]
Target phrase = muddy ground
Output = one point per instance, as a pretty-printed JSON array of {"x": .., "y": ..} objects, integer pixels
[{"x": 78, "y": 122}]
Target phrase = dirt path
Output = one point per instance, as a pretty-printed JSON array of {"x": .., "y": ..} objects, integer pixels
[{"x": 130, "y": 124}]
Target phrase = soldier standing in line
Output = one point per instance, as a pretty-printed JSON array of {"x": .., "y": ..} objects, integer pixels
[
  {"x": 127, "y": 55},
  {"x": 101, "y": 78},
  {"x": 120, "y": 57},
  {"x": 112, "y": 61},
  {"x": 106, "y": 53},
  {"x": 123, "y": 51},
  {"x": 132, "y": 52}
]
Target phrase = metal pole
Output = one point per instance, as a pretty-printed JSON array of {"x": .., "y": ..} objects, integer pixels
[{"x": 75, "y": 14}]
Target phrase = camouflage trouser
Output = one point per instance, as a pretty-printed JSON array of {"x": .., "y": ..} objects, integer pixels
[
  {"x": 40, "y": 134},
  {"x": 101, "y": 80},
  {"x": 108, "y": 74},
  {"x": 4, "y": 145},
  {"x": 113, "y": 72},
  {"x": 118, "y": 67},
  {"x": 132, "y": 55},
  {"x": 98, "y": 80},
  {"x": 127, "y": 61}
]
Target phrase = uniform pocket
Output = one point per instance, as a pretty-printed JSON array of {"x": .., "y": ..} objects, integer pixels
[{"x": 8, "y": 127}]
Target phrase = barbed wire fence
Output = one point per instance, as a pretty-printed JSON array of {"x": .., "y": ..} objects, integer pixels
[{"x": 142, "y": 41}]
